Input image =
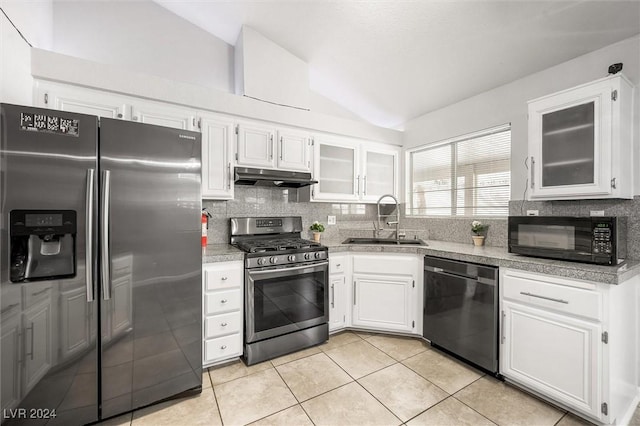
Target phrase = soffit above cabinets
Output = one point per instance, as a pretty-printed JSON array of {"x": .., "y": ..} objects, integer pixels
[{"x": 391, "y": 61}]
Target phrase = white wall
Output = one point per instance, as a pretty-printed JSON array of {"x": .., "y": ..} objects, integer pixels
[
  {"x": 145, "y": 37},
  {"x": 35, "y": 23},
  {"x": 508, "y": 104}
]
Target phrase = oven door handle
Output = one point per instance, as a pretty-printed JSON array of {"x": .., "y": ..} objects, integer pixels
[{"x": 295, "y": 268}]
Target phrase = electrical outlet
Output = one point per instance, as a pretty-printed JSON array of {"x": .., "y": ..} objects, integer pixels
[
  {"x": 331, "y": 220},
  {"x": 532, "y": 212},
  {"x": 597, "y": 213}
]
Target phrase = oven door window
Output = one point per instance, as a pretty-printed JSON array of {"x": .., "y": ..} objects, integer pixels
[{"x": 281, "y": 301}]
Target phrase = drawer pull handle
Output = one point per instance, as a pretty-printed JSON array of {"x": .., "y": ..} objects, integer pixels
[
  {"x": 223, "y": 347},
  {"x": 40, "y": 292},
  {"x": 224, "y": 278},
  {"x": 223, "y": 301},
  {"x": 337, "y": 265},
  {"x": 524, "y": 293},
  {"x": 224, "y": 324}
]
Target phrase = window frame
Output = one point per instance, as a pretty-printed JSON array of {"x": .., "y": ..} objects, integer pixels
[{"x": 454, "y": 172}]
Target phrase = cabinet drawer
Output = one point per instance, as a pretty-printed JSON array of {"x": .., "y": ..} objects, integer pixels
[
  {"x": 222, "y": 348},
  {"x": 220, "y": 325},
  {"x": 385, "y": 264},
  {"x": 223, "y": 278},
  {"x": 10, "y": 300},
  {"x": 571, "y": 300},
  {"x": 217, "y": 302},
  {"x": 337, "y": 264},
  {"x": 33, "y": 293},
  {"x": 121, "y": 266}
]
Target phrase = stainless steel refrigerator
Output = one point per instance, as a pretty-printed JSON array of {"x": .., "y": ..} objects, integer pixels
[{"x": 100, "y": 265}]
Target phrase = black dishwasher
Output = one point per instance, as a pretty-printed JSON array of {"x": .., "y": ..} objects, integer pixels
[{"x": 461, "y": 310}]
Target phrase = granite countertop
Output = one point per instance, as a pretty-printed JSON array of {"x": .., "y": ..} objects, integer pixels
[
  {"x": 486, "y": 255},
  {"x": 498, "y": 256},
  {"x": 221, "y": 253}
]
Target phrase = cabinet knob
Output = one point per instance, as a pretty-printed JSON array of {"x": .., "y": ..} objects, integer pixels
[
  {"x": 224, "y": 278},
  {"x": 119, "y": 115},
  {"x": 223, "y": 347},
  {"x": 135, "y": 118},
  {"x": 224, "y": 324},
  {"x": 223, "y": 301}
]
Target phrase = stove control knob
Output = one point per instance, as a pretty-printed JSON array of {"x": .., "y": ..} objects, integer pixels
[
  {"x": 307, "y": 256},
  {"x": 262, "y": 261},
  {"x": 318, "y": 255},
  {"x": 274, "y": 259},
  {"x": 291, "y": 258}
]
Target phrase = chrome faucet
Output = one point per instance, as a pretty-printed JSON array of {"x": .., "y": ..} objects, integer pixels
[{"x": 389, "y": 222}]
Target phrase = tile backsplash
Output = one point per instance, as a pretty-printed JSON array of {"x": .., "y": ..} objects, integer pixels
[
  {"x": 357, "y": 220},
  {"x": 352, "y": 220}
]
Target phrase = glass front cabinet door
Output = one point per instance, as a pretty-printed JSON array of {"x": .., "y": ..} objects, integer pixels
[{"x": 580, "y": 142}]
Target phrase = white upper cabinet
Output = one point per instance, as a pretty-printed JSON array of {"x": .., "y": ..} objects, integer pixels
[
  {"x": 336, "y": 169},
  {"x": 256, "y": 145},
  {"x": 379, "y": 173},
  {"x": 294, "y": 148},
  {"x": 263, "y": 145},
  {"x": 160, "y": 114},
  {"x": 217, "y": 156},
  {"x": 580, "y": 142},
  {"x": 352, "y": 170},
  {"x": 81, "y": 100}
]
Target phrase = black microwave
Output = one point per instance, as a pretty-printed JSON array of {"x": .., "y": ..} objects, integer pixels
[{"x": 597, "y": 239}]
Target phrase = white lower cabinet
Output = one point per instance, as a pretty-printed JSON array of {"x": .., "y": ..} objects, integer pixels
[
  {"x": 74, "y": 329},
  {"x": 554, "y": 354},
  {"x": 10, "y": 358},
  {"x": 338, "y": 268},
  {"x": 571, "y": 341},
  {"x": 384, "y": 295},
  {"x": 222, "y": 311},
  {"x": 37, "y": 343}
]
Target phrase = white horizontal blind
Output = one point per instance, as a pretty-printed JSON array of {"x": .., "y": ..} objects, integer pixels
[{"x": 467, "y": 176}]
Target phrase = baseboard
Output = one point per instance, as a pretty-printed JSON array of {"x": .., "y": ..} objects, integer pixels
[{"x": 626, "y": 419}]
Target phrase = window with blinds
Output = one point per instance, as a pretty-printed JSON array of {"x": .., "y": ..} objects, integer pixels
[{"x": 465, "y": 176}]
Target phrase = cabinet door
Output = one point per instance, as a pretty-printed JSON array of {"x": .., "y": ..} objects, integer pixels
[
  {"x": 570, "y": 143},
  {"x": 379, "y": 173},
  {"x": 293, "y": 150},
  {"x": 163, "y": 115},
  {"x": 217, "y": 157},
  {"x": 337, "y": 302},
  {"x": 10, "y": 358},
  {"x": 82, "y": 100},
  {"x": 556, "y": 355},
  {"x": 121, "y": 312},
  {"x": 336, "y": 169},
  {"x": 256, "y": 147},
  {"x": 74, "y": 330},
  {"x": 37, "y": 343},
  {"x": 383, "y": 302}
]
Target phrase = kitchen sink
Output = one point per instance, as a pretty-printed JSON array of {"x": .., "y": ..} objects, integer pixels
[{"x": 384, "y": 241}]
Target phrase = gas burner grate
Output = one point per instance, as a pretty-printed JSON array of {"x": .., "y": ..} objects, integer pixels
[{"x": 280, "y": 244}]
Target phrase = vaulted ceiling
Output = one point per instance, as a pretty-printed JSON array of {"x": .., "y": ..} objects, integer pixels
[{"x": 390, "y": 61}]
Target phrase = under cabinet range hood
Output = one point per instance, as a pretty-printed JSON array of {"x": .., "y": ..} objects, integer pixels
[{"x": 269, "y": 177}]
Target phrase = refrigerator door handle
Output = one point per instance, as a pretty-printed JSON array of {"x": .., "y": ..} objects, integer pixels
[
  {"x": 105, "y": 255},
  {"x": 88, "y": 261}
]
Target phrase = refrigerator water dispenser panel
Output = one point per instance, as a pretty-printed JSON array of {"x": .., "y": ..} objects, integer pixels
[{"x": 42, "y": 244}]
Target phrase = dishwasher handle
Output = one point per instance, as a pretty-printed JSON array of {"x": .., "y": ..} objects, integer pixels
[{"x": 441, "y": 271}]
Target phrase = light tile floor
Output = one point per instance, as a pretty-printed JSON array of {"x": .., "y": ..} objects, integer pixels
[{"x": 355, "y": 379}]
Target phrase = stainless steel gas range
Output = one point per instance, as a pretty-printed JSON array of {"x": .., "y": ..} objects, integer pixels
[{"x": 286, "y": 279}]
